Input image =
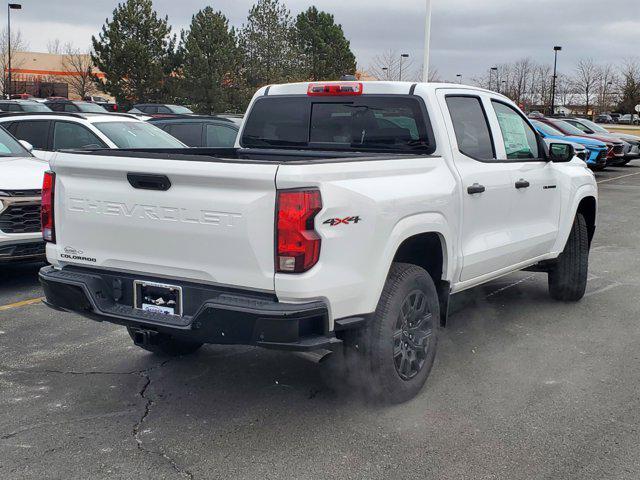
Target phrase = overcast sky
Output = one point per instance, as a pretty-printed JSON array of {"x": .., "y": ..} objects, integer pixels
[{"x": 468, "y": 36}]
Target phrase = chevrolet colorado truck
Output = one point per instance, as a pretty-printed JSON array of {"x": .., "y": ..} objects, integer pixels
[
  {"x": 20, "y": 182},
  {"x": 343, "y": 220}
]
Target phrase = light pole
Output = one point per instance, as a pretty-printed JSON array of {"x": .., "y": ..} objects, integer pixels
[
  {"x": 404, "y": 55},
  {"x": 10, "y": 6},
  {"x": 504, "y": 87},
  {"x": 459, "y": 77},
  {"x": 427, "y": 43},
  {"x": 386, "y": 72},
  {"x": 493, "y": 69},
  {"x": 556, "y": 49}
]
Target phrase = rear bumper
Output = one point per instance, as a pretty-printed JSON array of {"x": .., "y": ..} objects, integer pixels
[{"x": 211, "y": 314}]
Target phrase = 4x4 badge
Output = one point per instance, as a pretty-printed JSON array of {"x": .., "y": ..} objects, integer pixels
[{"x": 342, "y": 221}]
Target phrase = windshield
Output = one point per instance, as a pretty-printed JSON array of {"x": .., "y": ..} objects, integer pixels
[
  {"x": 10, "y": 146},
  {"x": 367, "y": 123},
  {"x": 547, "y": 129},
  {"x": 90, "y": 107},
  {"x": 35, "y": 107},
  {"x": 100, "y": 99},
  {"x": 137, "y": 135},
  {"x": 568, "y": 128},
  {"x": 179, "y": 109},
  {"x": 594, "y": 126}
]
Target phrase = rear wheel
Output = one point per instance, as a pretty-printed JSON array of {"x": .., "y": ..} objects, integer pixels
[
  {"x": 568, "y": 277},
  {"x": 162, "y": 344},
  {"x": 399, "y": 345}
]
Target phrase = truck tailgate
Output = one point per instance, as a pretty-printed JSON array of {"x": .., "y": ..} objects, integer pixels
[{"x": 214, "y": 224}]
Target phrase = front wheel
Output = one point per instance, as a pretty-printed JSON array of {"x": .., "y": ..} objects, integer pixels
[{"x": 568, "y": 277}]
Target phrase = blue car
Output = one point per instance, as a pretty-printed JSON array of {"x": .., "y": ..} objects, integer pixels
[{"x": 596, "y": 150}]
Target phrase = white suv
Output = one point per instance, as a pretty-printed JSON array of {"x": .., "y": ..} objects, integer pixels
[
  {"x": 50, "y": 132},
  {"x": 20, "y": 182}
]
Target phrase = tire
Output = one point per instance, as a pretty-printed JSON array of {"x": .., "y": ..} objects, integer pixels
[
  {"x": 399, "y": 345},
  {"x": 568, "y": 277},
  {"x": 166, "y": 345}
]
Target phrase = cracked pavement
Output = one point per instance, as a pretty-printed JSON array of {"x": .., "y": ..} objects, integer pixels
[{"x": 523, "y": 387}]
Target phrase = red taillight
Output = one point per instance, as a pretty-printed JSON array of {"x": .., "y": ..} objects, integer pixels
[
  {"x": 115, "y": 107},
  {"x": 298, "y": 244},
  {"x": 334, "y": 89},
  {"x": 46, "y": 212}
]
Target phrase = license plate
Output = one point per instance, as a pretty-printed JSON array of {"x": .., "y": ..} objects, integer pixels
[{"x": 157, "y": 297}]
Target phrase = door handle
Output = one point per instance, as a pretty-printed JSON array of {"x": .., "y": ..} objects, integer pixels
[
  {"x": 522, "y": 183},
  {"x": 149, "y": 181},
  {"x": 475, "y": 188}
]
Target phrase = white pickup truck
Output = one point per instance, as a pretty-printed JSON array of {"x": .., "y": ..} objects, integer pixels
[{"x": 343, "y": 221}]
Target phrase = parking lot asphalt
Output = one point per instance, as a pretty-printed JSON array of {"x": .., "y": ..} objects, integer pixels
[{"x": 523, "y": 388}]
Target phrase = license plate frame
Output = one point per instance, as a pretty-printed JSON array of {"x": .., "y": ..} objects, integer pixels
[{"x": 149, "y": 297}]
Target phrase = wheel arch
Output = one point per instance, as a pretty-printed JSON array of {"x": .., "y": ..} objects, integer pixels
[{"x": 588, "y": 207}]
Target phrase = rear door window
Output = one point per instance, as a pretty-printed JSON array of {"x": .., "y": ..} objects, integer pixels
[
  {"x": 221, "y": 136},
  {"x": 188, "y": 133},
  {"x": 366, "y": 123},
  {"x": 67, "y": 135},
  {"x": 36, "y": 132},
  {"x": 471, "y": 127}
]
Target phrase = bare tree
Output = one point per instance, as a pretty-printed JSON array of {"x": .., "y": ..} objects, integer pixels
[
  {"x": 78, "y": 63},
  {"x": 388, "y": 66},
  {"x": 629, "y": 85},
  {"x": 586, "y": 80},
  {"x": 564, "y": 91},
  {"x": 17, "y": 45},
  {"x": 434, "y": 75},
  {"x": 607, "y": 79},
  {"x": 54, "y": 46}
]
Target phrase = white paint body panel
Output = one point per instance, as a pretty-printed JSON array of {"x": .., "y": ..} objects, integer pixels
[
  {"x": 215, "y": 224},
  {"x": 483, "y": 237}
]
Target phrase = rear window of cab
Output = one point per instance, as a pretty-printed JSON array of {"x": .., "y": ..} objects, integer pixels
[{"x": 359, "y": 123}]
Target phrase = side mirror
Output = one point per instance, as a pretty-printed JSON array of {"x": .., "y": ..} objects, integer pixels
[
  {"x": 26, "y": 145},
  {"x": 561, "y": 152}
]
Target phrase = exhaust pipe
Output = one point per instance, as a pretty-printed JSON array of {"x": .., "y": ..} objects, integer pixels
[{"x": 315, "y": 356}]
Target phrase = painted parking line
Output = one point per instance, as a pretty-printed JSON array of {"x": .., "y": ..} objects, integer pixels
[
  {"x": 617, "y": 178},
  {"x": 23, "y": 303}
]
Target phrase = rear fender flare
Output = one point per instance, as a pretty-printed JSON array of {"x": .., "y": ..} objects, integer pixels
[{"x": 404, "y": 229}]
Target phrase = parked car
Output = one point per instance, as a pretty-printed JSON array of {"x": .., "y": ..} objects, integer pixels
[
  {"x": 616, "y": 147},
  {"x": 50, "y": 132},
  {"x": 629, "y": 119},
  {"x": 22, "y": 106},
  {"x": 201, "y": 130},
  {"x": 591, "y": 128},
  {"x": 387, "y": 198},
  {"x": 616, "y": 117},
  {"x": 161, "y": 109},
  {"x": 103, "y": 102},
  {"x": 596, "y": 157},
  {"x": 604, "y": 118},
  {"x": 21, "y": 96},
  {"x": 20, "y": 197},
  {"x": 73, "y": 106}
]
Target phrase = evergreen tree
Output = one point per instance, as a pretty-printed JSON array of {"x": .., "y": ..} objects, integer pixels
[
  {"x": 268, "y": 44},
  {"x": 211, "y": 77},
  {"x": 135, "y": 51},
  {"x": 325, "y": 52}
]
